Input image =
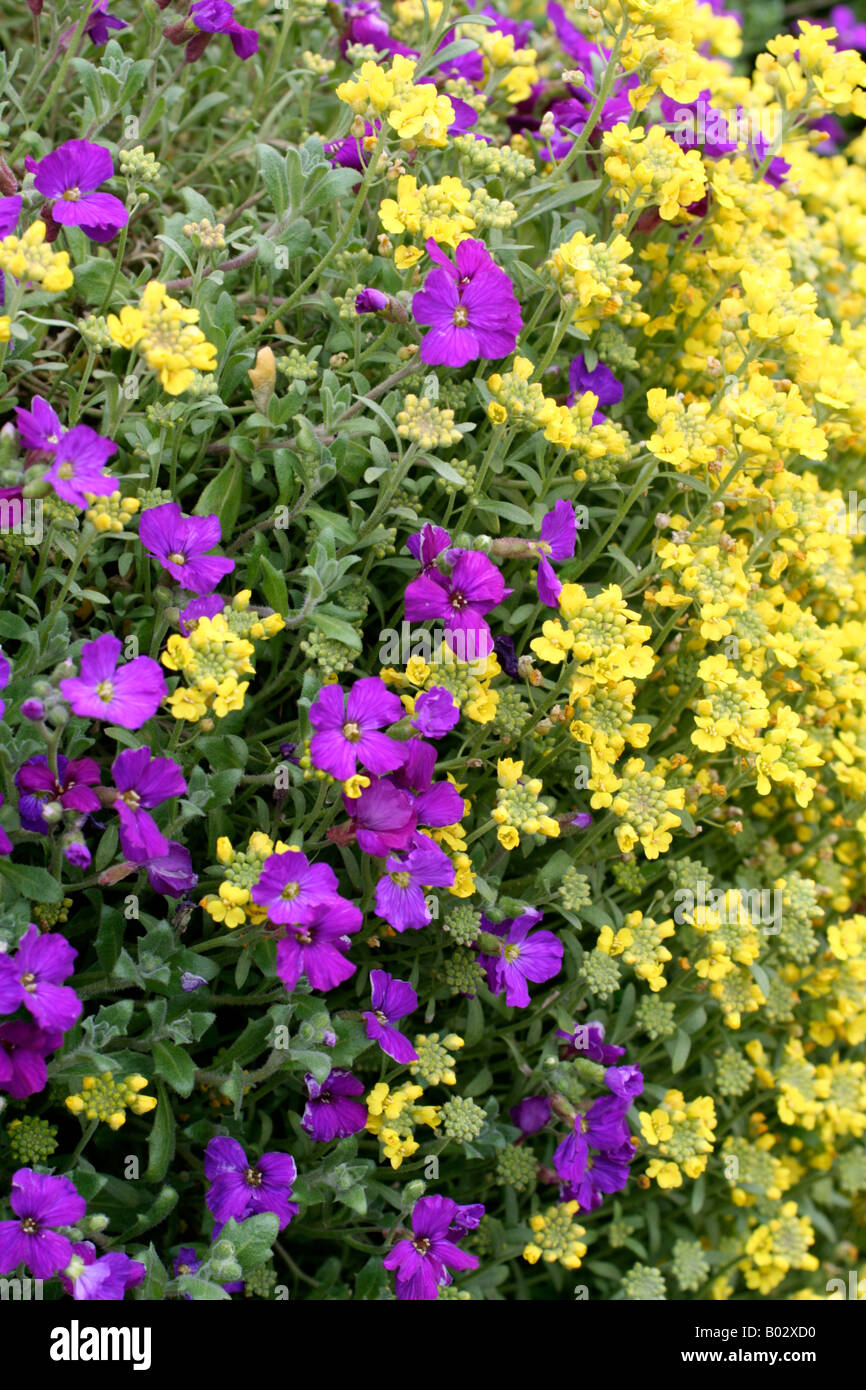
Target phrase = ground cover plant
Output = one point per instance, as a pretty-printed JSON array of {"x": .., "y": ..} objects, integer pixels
[{"x": 433, "y": 747}]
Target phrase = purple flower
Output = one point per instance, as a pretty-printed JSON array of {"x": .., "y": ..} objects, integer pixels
[
  {"x": 583, "y": 820},
  {"x": 330, "y": 1112},
  {"x": 850, "y": 29},
  {"x": 293, "y": 889},
  {"x": 371, "y": 301},
  {"x": 186, "y": 1261},
  {"x": 351, "y": 152},
  {"x": 626, "y": 1083},
  {"x": 209, "y": 17},
  {"x": 472, "y": 310},
  {"x": 436, "y": 804},
  {"x": 391, "y": 999},
  {"x": 5, "y": 674},
  {"x": 607, "y": 1127},
  {"x": 127, "y": 695},
  {"x": 38, "y": 785},
  {"x": 206, "y": 607},
  {"x": 190, "y": 982},
  {"x": 435, "y": 712},
  {"x": 460, "y": 599},
  {"x": 69, "y": 177},
  {"x": 318, "y": 948},
  {"x": 532, "y": 1114},
  {"x": 171, "y": 873},
  {"x": 558, "y": 539},
  {"x": 240, "y": 1188},
  {"x": 101, "y": 1278},
  {"x": 40, "y": 1203},
  {"x": 35, "y": 978},
  {"x": 571, "y": 1156},
  {"x": 32, "y": 709},
  {"x": 180, "y": 544},
  {"x": 23, "y": 1049},
  {"x": 600, "y": 381},
  {"x": 5, "y": 842},
  {"x": 10, "y": 211},
  {"x": 143, "y": 782},
  {"x": 606, "y": 1172},
  {"x": 503, "y": 647},
  {"x": 383, "y": 817},
  {"x": 400, "y": 897},
  {"x": 427, "y": 543},
  {"x": 101, "y": 23},
  {"x": 76, "y": 467},
  {"x": 587, "y": 1040},
  {"x": 347, "y": 729},
  {"x": 424, "y": 1262},
  {"x": 75, "y": 850},
  {"x": 39, "y": 427},
  {"x": 522, "y": 957}
]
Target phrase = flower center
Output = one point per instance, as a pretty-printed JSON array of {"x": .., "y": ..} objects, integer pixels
[
  {"x": 422, "y": 1245},
  {"x": 461, "y": 316},
  {"x": 30, "y": 1226},
  {"x": 352, "y": 731},
  {"x": 105, "y": 691},
  {"x": 402, "y": 879},
  {"x": 131, "y": 798},
  {"x": 253, "y": 1177},
  {"x": 290, "y": 891},
  {"x": 380, "y": 1017},
  {"x": 305, "y": 939},
  {"x": 65, "y": 470},
  {"x": 71, "y": 195},
  {"x": 29, "y": 982},
  {"x": 176, "y": 558},
  {"x": 458, "y": 600},
  {"x": 511, "y": 953}
]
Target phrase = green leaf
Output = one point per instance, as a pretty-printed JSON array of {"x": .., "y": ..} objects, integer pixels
[
  {"x": 173, "y": 1064},
  {"x": 201, "y": 1289},
  {"x": 252, "y": 1239},
  {"x": 274, "y": 586},
  {"x": 223, "y": 495},
  {"x": 31, "y": 882},
  {"x": 274, "y": 177},
  {"x": 681, "y": 1049},
  {"x": 337, "y": 630},
  {"x": 160, "y": 1145}
]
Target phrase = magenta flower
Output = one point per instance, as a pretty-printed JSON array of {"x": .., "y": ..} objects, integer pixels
[
  {"x": 471, "y": 310},
  {"x": 391, "y": 999},
  {"x": 572, "y": 1155},
  {"x": 330, "y": 1112},
  {"x": 206, "y": 607},
  {"x": 126, "y": 695},
  {"x": 70, "y": 788},
  {"x": 76, "y": 467},
  {"x": 435, "y": 712},
  {"x": 98, "y": 26},
  {"x": 171, "y": 873},
  {"x": 40, "y": 1204},
  {"x": 436, "y": 804},
  {"x": 293, "y": 889},
  {"x": 39, "y": 427},
  {"x": 427, "y": 543},
  {"x": 101, "y": 1278},
  {"x": 211, "y": 17},
  {"x": 34, "y": 980},
  {"x": 600, "y": 380},
  {"x": 179, "y": 543},
  {"x": 143, "y": 782},
  {"x": 371, "y": 301},
  {"x": 5, "y": 842},
  {"x": 587, "y": 1040},
  {"x": 318, "y": 948},
  {"x": 69, "y": 178},
  {"x": 400, "y": 895},
  {"x": 240, "y": 1188},
  {"x": 383, "y": 817},
  {"x": 522, "y": 957},
  {"x": 347, "y": 729},
  {"x": 558, "y": 540},
  {"x": 23, "y": 1049},
  {"x": 10, "y": 211},
  {"x": 425, "y": 1261},
  {"x": 460, "y": 599}
]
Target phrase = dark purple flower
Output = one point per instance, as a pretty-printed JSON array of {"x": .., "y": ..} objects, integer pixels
[
  {"x": 371, "y": 301},
  {"x": 75, "y": 850},
  {"x": 570, "y": 1158},
  {"x": 5, "y": 675},
  {"x": 587, "y": 1040},
  {"x": 347, "y": 729},
  {"x": 532, "y": 1114},
  {"x": 180, "y": 544},
  {"x": 39, "y": 427},
  {"x": 436, "y": 804},
  {"x": 101, "y": 23},
  {"x": 600, "y": 380},
  {"x": 400, "y": 896},
  {"x": 186, "y": 1261},
  {"x": 10, "y": 211},
  {"x": 626, "y": 1083},
  {"x": 471, "y": 309},
  {"x": 101, "y": 1278},
  {"x": 23, "y": 1049},
  {"x": 330, "y": 1112},
  {"x": 383, "y": 817},
  {"x": 606, "y": 1172},
  {"x": 5, "y": 842},
  {"x": 435, "y": 712},
  {"x": 424, "y": 1262},
  {"x": 76, "y": 466},
  {"x": 127, "y": 695},
  {"x": 171, "y": 873},
  {"x": 606, "y": 1125},
  {"x": 460, "y": 599},
  {"x": 40, "y": 1203},
  {"x": 523, "y": 957},
  {"x": 240, "y": 1188},
  {"x": 33, "y": 709},
  {"x": 391, "y": 999},
  {"x": 583, "y": 820},
  {"x": 34, "y": 979},
  {"x": 143, "y": 782},
  {"x": 69, "y": 177},
  {"x": 318, "y": 948},
  {"x": 38, "y": 785},
  {"x": 558, "y": 539},
  {"x": 294, "y": 890},
  {"x": 503, "y": 646},
  {"x": 427, "y": 543},
  {"x": 351, "y": 152},
  {"x": 212, "y": 17}
]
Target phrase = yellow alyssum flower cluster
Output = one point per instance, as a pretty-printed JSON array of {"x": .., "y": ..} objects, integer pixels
[
  {"x": 648, "y": 168},
  {"x": 420, "y": 115},
  {"x": 214, "y": 656},
  {"x": 392, "y": 1117},
  {"x": 166, "y": 336},
  {"x": 29, "y": 257},
  {"x": 107, "y": 1098},
  {"x": 682, "y": 1131},
  {"x": 519, "y": 807}
]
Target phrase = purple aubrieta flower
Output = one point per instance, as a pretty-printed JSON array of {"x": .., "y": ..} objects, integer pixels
[
  {"x": 171, "y": 873},
  {"x": 76, "y": 466},
  {"x": 599, "y": 380},
  {"x": 391, "y": 999},
  {"x": 347, "y": 729},
  {"x": 626, "y": 1083},
  {"x": 23, "y": 1049},
  {"x": 34, "y": 977},
  {"x": 460, "y": 599},
  {"x": 400, "y": 895},
  {"x": 100, "y": 1278},
  {"x": 425, "y": 1261},
  {"x": 606, "y": 1125},
  {"x": 558, "y": 539},
  {"x": 371, "y": 301},
  {"x": 39, "y": 427},
  {"x": 240, "y": 1188},
  {"x": 142, "y": 783},
  {"x": 127, "y": 695},
  {"x": 436, "y": 804},
  {"x": 570, "y": 1157},
  {"x": 330, "y": 1112},
  {"x": 180, "y": 544},
  {"x": 294, "y": 890},
  {"x": 436, "y": 712},
  {"x": 587, "y": 1040},
  {"x": 471, "y": 309},
  {"x": 383, "y": 817},
  {"x": 427, "y": 543},
  {"x": 10, "y": 211},
  {"x": 850, "y": 29},
  {"x": 186, "y": 1261},
  {"x": 318, "y": 948},
  {"x": 531, "y": 1114},
  {"x": 5, "y": 842},
  {"x": 5, "y": 676},
  {"x": 40, "y": 1204},
  {"x": 206, "y": 607},
  {"x": 211, "y": 17},
  {"x": 536, "y": 957},
  {"x": 98, "y": 27},
  {"x": 69, "y": 178},
  {"x": 606, "y": 1172}
]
